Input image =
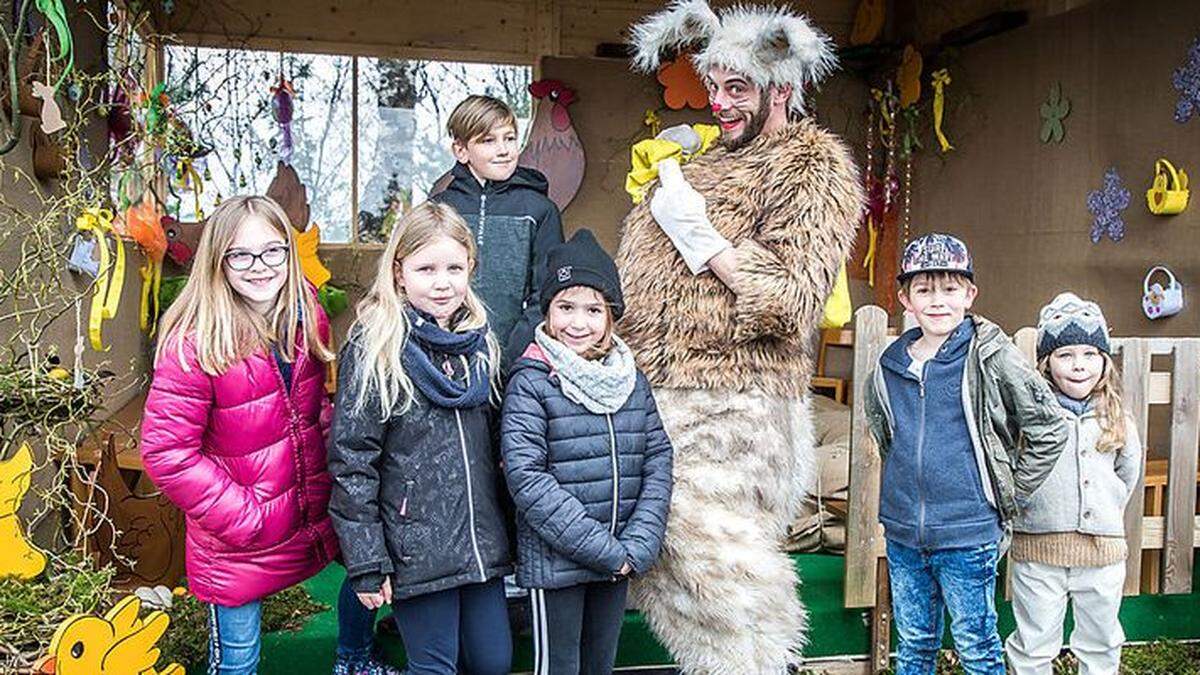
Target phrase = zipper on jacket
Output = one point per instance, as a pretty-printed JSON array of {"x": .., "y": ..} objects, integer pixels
[
  {"x": 482, "y": 220},
  {"x": 920, "y": 458},
  {"x": 462, "y": 438},
  {"x": 612, "y": 445}
]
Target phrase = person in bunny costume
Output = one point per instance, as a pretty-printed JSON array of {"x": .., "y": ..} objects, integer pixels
[{"x": 726, "y": 267}]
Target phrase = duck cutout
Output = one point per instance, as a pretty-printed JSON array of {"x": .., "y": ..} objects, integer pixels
[
  {"x": 120, "y": 643},
  {"x": 51, "y": 114},
  {"x": 148, "y": 530},
  {"x": 18, "y": 559},
  {"x": 553, "y": 146},
  {"x": 31, "y": 56},
  {"x": 49, "y": 160}
]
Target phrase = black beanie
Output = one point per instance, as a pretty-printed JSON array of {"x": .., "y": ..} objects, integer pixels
[{"x": 582, "y": 262}]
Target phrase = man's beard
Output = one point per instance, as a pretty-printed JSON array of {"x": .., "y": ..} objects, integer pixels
[{"x": 754, "y": 126}]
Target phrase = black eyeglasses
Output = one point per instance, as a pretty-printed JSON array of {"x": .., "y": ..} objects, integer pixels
[{"x": 272, "y": 256}]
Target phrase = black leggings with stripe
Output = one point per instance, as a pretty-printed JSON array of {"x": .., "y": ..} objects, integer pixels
[{"x": 575, "y": 629}]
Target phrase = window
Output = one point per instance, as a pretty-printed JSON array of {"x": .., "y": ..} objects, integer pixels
[{"x": 399, "y": 110}]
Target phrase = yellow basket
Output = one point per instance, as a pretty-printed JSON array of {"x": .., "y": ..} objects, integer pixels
[{"x": 1169, "y": 193}]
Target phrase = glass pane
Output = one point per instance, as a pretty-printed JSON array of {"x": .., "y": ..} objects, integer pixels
[
  {"x": 224, "y": 96},
  {"x": 402, "y": 143}
]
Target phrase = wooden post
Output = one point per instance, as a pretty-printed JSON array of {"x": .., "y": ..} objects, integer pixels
[
  {"x": 1180, "y": 514},
  {"x": 881, "y": 621},
  {"x": 1135, "y": 370},
  {"x": 870, "y": 337}
]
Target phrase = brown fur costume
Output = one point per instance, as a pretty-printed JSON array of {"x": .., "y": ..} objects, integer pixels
[{"x": 732, "y": 374}]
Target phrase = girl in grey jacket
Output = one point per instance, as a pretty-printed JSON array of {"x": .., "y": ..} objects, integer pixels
[
  {"x": 1069, "y": 540},
  {"x": 587, "y": 462}
]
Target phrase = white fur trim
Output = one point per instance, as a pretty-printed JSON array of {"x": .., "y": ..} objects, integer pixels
[
  {"x": 723, "y": 595},
  {"x": 769, "y": 45}
]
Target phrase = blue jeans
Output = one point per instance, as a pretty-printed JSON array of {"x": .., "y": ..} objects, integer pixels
[
  {"x": 465, "y": 626},
  {"x": 235, "y": 636},
  {"x": 927, "y": 583}
]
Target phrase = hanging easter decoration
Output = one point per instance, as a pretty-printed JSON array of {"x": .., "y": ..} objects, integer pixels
[
  {"x": 1168, "y": 195},
  {"x": 143, "y": 222},
  {"x": 282, "y": 109},
  {"x": 106, "y": 291}
]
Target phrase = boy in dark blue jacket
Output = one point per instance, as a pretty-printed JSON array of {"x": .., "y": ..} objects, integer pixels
[
  {"x": 947, "y": 405},
  {"x": 507, "y": 209},
  {"x": 587, "y": 462}
]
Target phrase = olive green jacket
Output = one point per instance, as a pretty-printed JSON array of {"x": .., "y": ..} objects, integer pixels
[{"x": 1016, "y": 429}]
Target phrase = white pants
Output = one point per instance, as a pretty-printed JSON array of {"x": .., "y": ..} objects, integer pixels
[{"x": 1040, "y": 594}]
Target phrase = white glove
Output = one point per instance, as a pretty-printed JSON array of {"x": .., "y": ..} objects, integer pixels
[
  {"x": 681, "y": 213},
  {"x": 684, "y": 135}
]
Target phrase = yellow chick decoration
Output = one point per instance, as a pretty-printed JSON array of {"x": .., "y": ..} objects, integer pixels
[
  {"x": 18, "y": 559},
  {"x": 306, "y": 249},
  {"x": 118, "y": 644}
]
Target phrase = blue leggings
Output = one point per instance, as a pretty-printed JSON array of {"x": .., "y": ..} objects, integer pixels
[{"x": 468, "y": 623}]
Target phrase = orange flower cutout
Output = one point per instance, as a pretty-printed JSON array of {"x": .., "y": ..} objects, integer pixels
[
  {"x": 143, "y": 222},
  {"x": 683, "y": 87}
]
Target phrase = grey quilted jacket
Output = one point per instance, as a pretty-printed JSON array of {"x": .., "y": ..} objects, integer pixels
[{"x": 591, "y": 491}]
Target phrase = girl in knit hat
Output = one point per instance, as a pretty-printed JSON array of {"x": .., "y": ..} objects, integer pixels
[
  {"x": 587, "y": 462},
  {"x": 1069, "y": 540}
]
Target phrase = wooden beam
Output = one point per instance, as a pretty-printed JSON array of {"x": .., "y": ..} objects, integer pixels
[
  {"x": 405, "y": 51},
  {"x": 1135, "y": 369},
  {"x": 1179, "y": 539}
]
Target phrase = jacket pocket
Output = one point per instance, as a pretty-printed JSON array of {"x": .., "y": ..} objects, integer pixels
[{"x": 403, "y": 511}]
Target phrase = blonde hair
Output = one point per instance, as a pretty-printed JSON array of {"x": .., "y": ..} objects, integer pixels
[
  {"x": 605, "y": 344},
  {"x": 476, "y": 115},
  {"x": 1106, "y": 401},
  {"x": 383, "y": 322},
  {"x": 226, "y": 328}
]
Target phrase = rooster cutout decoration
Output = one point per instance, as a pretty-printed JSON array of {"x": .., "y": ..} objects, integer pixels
[
  {"x": 120, "y": 643},
  {"x": 553, "y": 147}
]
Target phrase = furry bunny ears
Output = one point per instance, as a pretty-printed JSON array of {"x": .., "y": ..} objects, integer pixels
[{"x": 768, "y": 45}]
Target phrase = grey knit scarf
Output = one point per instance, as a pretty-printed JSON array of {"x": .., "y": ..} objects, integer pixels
[{"x": 601, "y": 386}]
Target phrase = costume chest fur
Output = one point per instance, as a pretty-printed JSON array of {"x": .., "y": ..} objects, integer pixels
[{"x": 789, "y": 203}]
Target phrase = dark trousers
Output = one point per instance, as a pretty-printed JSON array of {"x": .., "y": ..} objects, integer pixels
[
  {"x": 575, "y": 629},
  {"x": 471, "y": 621}
]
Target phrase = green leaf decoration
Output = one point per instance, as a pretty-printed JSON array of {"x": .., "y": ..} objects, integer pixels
[{"x": 1053, "y": 111}]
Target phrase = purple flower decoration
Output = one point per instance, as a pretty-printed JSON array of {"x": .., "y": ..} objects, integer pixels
[
  {"x": 1187, "y": 83},
  {"x": 1106, "y": 204}
]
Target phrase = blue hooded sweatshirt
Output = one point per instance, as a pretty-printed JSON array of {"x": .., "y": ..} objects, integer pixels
[{"x": 932, "y": 493}]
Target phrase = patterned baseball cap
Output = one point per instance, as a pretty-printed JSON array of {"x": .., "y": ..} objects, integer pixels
[{"x": 935, "y": 252}]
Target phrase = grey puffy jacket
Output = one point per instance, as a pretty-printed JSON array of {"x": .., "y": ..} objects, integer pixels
[
  {"x": 591, "y": 491},
  {"x": 419, "y": 496}
]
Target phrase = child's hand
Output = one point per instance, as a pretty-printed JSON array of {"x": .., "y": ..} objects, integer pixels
[
  {"x": 377, "y": 600},
  {"x": 626, "y": 569}
]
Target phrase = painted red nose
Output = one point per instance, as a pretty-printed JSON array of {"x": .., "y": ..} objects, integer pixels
[{"x": 716, "y": 108}]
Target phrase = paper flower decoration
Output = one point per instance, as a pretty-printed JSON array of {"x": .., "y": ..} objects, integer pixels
[
  {"x": 908, "y": 76},
  {"x": 1054, "y": 111},
  {"x": 1187, "y": 83},
  {"x": 682, "y": 87},
  {"x": 1106, "y": 205}
]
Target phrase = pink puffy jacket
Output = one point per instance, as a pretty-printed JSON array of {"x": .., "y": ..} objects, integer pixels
[{"x": 245, "y": 461}]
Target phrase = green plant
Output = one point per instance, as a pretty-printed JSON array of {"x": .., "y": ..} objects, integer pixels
[{"x": 30, "y": 611}]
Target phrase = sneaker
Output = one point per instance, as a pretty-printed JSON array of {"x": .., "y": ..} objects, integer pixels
[{"x": 368, "y": 666}]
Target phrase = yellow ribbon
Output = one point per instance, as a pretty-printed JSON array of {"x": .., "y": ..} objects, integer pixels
[
  {"x": 151, "y": 274},
  {"x": 869, "y": 258},
  {"x": 645, "y": 156},
  {"x": 886, "y": 103},
  {"x": 941, "y": 78},
  {"x": 186, "y": 170},
  {"x": 107, "y": 294}
]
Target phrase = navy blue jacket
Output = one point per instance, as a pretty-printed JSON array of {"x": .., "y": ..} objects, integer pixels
[
  {"x": 591, "y": 491},
  {"x": 514, "y": 224},
  {"x": 932, "y": 493}
]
